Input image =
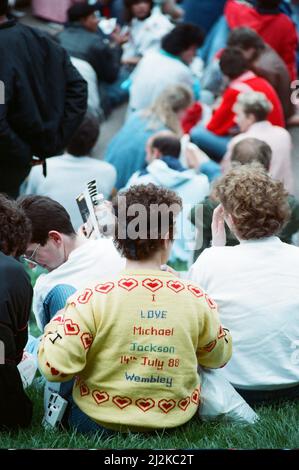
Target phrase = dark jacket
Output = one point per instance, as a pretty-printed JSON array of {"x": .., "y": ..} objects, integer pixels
[
  {"x": 45, "y": 100},
  {"x": 203, "y": 224},
  {"x": 15, "y": 305},
  {"x": 95, "y": 48},
  {"x": 270, "y": 66}
]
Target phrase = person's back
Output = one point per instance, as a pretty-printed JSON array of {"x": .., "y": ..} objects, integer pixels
[
  {"x": 45, "y": 101},
  {"x": 270, "y": 66},
  {"x": 15, "y": 307},
  {"x": 276, "y": 28},
  {"x": 280, "y": 142},
  {"x": 154, "y": 73},
  {"x": 134, "y": 341},
  {"x": 170, "y": 66},
  {"x": 76, "y": 165},
  {"x": 81, "y": 170},
  {"x": 126, "y": 151},
  {"x": 165, "y": 170},
  {"x": 255, "y": 285}
]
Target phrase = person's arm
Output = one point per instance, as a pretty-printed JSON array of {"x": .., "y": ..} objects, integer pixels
[
  {"x": 75, "y": 102},
  {"x": 222, "y": 120},
  {"x": 105, "y": 59},
  {"x": 66, "y": 341},
  {"x": 56, "y": 300},
  {"x": 215, "y": 342},
  {"x": 288, "y": 52},
  {"x": 11, "y": 145}
]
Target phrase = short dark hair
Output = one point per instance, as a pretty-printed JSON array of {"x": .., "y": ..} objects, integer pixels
[
  {"x": 181, "y": 37},
  {"x": 127, "y": 13},
  {"x": 251, "y": 150},
  {"x": 233, "y": 63},
  {"x": 15, "y": 227},
  {"x": 3, "y": 7},
  {"x": 245, "y": 38},
  {"x": 167, "y": 145},
  {"x": 85, "y": 138},
  {"x": 268, "y": 4},
  {"x": 45, "y": 215},
  {"x": 161, "y": 207}
]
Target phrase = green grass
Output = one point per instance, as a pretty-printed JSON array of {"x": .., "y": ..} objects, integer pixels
[{"x": 277, "y": 428}]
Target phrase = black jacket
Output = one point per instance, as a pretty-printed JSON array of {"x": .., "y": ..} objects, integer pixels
[
  {"x": 45, "y": 100},
  {"x": 15, "y": 305},
  {"x": 95, "y": 48}
]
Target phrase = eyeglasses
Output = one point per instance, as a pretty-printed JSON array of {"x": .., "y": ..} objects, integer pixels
[{"x": 31, "y": 259}]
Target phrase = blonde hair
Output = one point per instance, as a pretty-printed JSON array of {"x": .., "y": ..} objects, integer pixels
[
  {"x": 257, "y": 204},
  {"x": 255, "y": 103},
  {"x": 173, "y": 99}
]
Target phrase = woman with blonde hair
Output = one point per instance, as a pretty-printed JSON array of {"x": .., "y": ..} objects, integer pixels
[{"x": 126, "y": 151}]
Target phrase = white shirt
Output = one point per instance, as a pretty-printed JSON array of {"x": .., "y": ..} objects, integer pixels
[
  {"x": 66, "y": 179},
  {"x": 146, "y": 34},
  {"x": 92, "y": 260},
  {"x": 280, "y": 142},
  {"x": 256, "y": 287},
  {"x": 155, "y": 72}
]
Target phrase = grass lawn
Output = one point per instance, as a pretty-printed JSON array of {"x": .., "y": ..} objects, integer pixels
[{"x": 277, "y": 428}]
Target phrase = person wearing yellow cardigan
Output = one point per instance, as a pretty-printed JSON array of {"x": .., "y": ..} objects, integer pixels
[{"x": 134, "y": 342}]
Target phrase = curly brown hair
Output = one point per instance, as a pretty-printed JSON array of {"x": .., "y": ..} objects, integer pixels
[
  {"x": 15, "y": 228},
  {"x": 257, "y": 204},
  {"x": 158, "y": 208}
]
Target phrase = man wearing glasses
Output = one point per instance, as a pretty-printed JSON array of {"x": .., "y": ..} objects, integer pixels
[
  {"x": 15, "y": 305},
  {"x": 71, "y": 260}
]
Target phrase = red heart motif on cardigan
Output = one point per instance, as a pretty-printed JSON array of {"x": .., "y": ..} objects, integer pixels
[
  {"x": 84, "y": 298},
  {"x": 210, "y": 346},
  {"x": 87, "y": 340},
  {"x": 84, "y": 390},
  {"x": 166, "y": 405},
  {"x": 176, "y": 286},
  {"x": 152, "y": 284},
  {"x": 145, "y": 404},
  {"x": 100, "y": 397},
  {"x": 128, "y": 284},
  {"x": 211, "y": 303},
  {"x": 196, "y": 291},
  {"x": 58, "y": 319},
  {"x": 122, "y": 402},
  {"x": 184, "y": 403},
  {"x": 54, "y": 371},
  {"x": 70, "y": 328},
  {"x": 195, "y": 396},
  {"x": 104, "y": 288}
]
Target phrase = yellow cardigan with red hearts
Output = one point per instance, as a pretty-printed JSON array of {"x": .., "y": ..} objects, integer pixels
[{"x": 133, "y": 343}]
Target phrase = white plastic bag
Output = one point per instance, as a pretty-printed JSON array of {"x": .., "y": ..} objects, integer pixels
[
  {"x": 27, "y": 368},
  {"x": 219, "y": 399}
]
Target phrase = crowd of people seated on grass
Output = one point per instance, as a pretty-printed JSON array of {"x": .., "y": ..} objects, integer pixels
[{"x": 188, "y": 260}]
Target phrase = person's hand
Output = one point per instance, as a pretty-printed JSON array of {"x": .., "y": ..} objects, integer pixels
[
  {"x": 218, "y": 227},
  {"x": 87, "y": 231},
  {"x": 194, "y": 156},
  {"x": 118, "y": 37}
]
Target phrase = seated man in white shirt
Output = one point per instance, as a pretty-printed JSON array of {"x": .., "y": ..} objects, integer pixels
[
  {"x": 255, "y": 285},
  {"x": 72, "y": 260},
  {"x": 67, "y": 175}
]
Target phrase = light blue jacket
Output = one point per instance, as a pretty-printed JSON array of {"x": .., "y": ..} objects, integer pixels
[{"x": 191, "y": 187}]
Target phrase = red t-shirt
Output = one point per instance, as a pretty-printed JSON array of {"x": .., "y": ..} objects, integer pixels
[
  {"x": 276, "y": 29},
  {"x": 223, "y": 119}
]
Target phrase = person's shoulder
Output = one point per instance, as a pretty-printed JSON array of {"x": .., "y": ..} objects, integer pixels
[{"x": 13, "y": 273}]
